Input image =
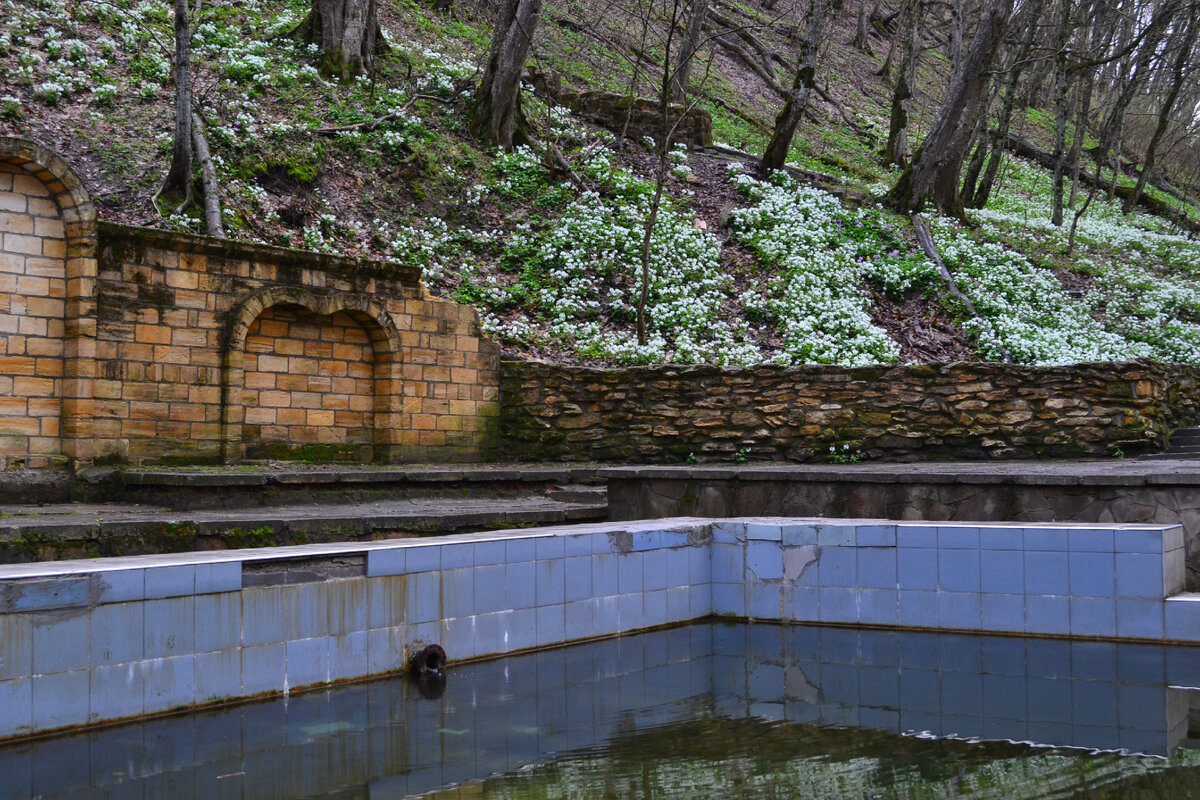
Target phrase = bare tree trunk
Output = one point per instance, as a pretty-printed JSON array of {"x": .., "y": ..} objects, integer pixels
[
  {"x": 793, "y": 109},
  {"x": 935, "y": 169},
  {"x": 496, "y": 114},
  {"x": 208, "y": 179},
  {"x": 860, "y": 34},
  {"x": 179, "y": 176},
  {"x": 348, "y": 34},
  {"x": 896, "y": 151},
  {"x": 1178, "y": 71},
  {"x": 687, "y": 51},
  {"x": 956, "y": 32}
]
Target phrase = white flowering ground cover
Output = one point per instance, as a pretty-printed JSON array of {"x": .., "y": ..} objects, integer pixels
[{"x": 556, "y": 270}]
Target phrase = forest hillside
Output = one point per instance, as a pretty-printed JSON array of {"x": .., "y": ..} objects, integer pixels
[{"x": 640, "y": 197}]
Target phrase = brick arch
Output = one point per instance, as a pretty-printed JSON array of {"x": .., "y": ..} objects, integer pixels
[
  {"x": 47, "y": 308},
  {"x": 296, "y": 379}
]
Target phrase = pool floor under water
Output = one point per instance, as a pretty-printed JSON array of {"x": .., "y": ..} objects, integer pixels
[{"x": 714, "y": 709}]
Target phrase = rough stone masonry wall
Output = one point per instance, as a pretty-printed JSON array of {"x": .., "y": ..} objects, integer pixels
[
  {"x": 959, "y": 410},
  {"x": 133, "y": 345}
]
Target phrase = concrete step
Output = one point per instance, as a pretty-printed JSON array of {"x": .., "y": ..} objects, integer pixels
[
  {"x": 291, "y": 484},
  {"x": 77, "y": 530}
]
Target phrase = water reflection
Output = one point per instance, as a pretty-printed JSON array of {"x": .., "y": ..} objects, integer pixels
[{"x": 720, "y": 710}]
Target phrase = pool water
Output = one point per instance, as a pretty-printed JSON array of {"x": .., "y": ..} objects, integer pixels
[{"x": 715, "y": 709}]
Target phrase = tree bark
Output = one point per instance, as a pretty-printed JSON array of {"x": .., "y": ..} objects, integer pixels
[
  {"x": 935, "y": 169},
  {"x": 794, "y": 107},
  {"x": 347, "y": 31},
  {"x": 208, "y": 179},
  {"x": 179, "y": 176},
  {"x": 1178, "y": 73},
  {"x": 860, "y": 32},
  {"x": 687, "y": 51},
  {"x": 956, "y": 32},
  {"x": 896, "y": 150},
  {"x": 496, "y": 113}
]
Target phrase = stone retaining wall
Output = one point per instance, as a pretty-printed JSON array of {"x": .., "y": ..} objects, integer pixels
[{"x": 959, "y": 410}]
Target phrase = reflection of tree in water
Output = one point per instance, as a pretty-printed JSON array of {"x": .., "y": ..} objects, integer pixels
[{"x": 716, "y": 757}]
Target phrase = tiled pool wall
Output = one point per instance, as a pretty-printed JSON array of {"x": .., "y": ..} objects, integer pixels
[
  {"x": 499, "y": 716},
  {"x": 92, "y": 641}
]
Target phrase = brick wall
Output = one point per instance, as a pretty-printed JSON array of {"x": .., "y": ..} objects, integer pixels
[{"x": 134, "y": 345}]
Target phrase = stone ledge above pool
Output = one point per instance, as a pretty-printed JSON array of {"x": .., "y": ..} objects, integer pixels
[{"x": 85, "y": 642}]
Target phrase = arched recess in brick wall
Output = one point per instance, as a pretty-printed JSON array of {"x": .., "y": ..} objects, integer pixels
[
  {"x": 310, "y": 375},
  {"x": 47, "y": 308}
]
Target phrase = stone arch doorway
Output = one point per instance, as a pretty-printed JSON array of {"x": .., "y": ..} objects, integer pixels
[
  {"x": 47, "y": 316},
  {"x": 311, "y": 377}
]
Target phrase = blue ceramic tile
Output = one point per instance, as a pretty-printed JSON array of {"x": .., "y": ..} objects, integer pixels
[
  {"x": 348, "y": 655},
  {"x": 16, "y": 713},
  {"x": 879, "y": 687},
  {"x": 1046, "y": 539},
  {"x": 1183, "y": 619},
  {"x": 958, "y": 537},
  {"x": 654, "y": 570},
  {"x": 490, "y": 632},
  {"x": 458, "y": 594},
  {"x": 1001, "y": 538},
  {"x": 423, "y": 558},
  {"x": 924, "y": 536},
  {"x": 1049, "y": 700},
  {"x": 729, "y": 598},
  {"x": 679, "y": 603},
  {"x": 1142, "y": 707},
  {"x": 550, "y": 582},
  {"x": 1046, "y": 573},
  {"x": 959, "y": 610},
  {"x": 958, "y": 570},
  {"x": 1093, "y": 616},
  {"x": 489, "y": 589},
  {"x": 218, "y": 622},
  {"x": 1141, "y": 663},
  {"x": 1139, "y": 575},
  {"x": 578, "y": 620},
  {"x": 1004, "y": 696},
  {"x": 522, "y": 629},
  {"x": 877, "y": 568},
  {"x": 838, "y": 567},
  {"x": 962, "y": 696},
  {"x": 629, "y": 573},
  {"x": 577, "y": 578},
  {"x": 122, "y": 585},
  {"x": 221, "y": 576},
  {"x": 674, "y": 538},
  {"x": 763, "y": 601},
  {"x": 118, "y": 634},
  {"x": 1093, "y": 540},
  {"x": 647, "y": 540},
  {"x": 576, "y": 545},
  {"x": 519, "y": 580},
  {"x": 1003, "y": 612},
  {"x": 765, "y": 531},
  {"x": 1138, "y": 541},
  {"x": 764, "y": 559},
  {"x": 919, "y": 691},
  {"x": 916, "y": 568},
  {"x": 700, "y": 565},
  {"x": 836, "y": 534},
  {"x": 489, "y": 552},
  {"x": 16, "y": 655},
  {"x": 424, "y": 598},
  {"x": 630, "y": 611},
  {"x": 678, "y": 566},
  {"x": 550, "y": 547},
  {"x": 520, "y": 550},
  {"x": 219, "y": 675},
  {"x": 263, "y": 668},
  {"x": 799, "y": 535},
  {"x": 1093, "y": 661},
  {"x": 728, "y": 531},
  {"x": 170, "y": 683},
  {"x": 918, "y": 609},
  {"x": 59, "y": 699},
  {"x": 604, "y": 575},
  {"x": 170, "y": 581},
  {"x": 875, "y": 536},
  {"x": 60, "y": 645},
  {"x": 878, "y": 606},
  {"x": 169, "y": 627},
  {"x": 551, "y": 625},
  {"x": 386, "y": 562},
  {"x": 1092, "y": 574},
  {"x": 1002, "y": 571},
  {"x": 457, "y": 555},
  {"x": 839, "y": 604},
  {"x": 728, "y": 563},
  {"x": 308, "y": 661},
  {"x": 960, "y": 653},
  {"x": 878, "y": 648},
  {"x": 1047, "y": 614},
  {"x": 801, "y": 604},
  {"x": 701, "y": 600},
  {"x": 1182, "y": 666},
  {"x": 654, "y": 607}
]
